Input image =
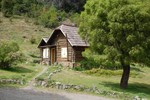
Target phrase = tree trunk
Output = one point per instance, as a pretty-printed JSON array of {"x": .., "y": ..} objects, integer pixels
[{"x": 125, "y": 76}]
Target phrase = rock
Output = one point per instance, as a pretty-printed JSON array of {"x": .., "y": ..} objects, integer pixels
[
  {"x": 97, "y": 92},
  {"x": 136, "y": 98},
  {"x": 43, "y": 83},
  {"x": 57, "y": 83},
  {"x": 49, "y": 76},
  {"x": 94, "y": 88},
  {"x": 144, "y": 99},
  {"x": 21, "y": 82},
  {"x": 67, "y": 86},
  {"x": 87, "y": 90},
  {"x": 77, "y": 87}
]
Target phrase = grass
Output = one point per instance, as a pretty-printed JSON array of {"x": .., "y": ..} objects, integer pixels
[
  {"x": 25, "y": 72},
  {"x": 138, "y": 86},
  {"x": 46, "y": 74}
]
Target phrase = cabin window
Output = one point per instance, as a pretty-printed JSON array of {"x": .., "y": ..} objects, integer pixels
[
  {"x": 45, "y": 53},
  {"x": 63, "y": 52}
]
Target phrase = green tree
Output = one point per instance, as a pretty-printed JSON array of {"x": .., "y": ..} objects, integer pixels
[
  {"x": 7, "y": 7},
  {"x": 49, "y": 18},
  {"x": 119, "y": 29},
  {"x": 9, "y": 54}
]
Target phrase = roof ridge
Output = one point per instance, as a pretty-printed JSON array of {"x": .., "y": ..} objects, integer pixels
[{"x": 72, "y": 25}]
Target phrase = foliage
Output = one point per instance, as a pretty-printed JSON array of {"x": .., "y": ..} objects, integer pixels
[
  {"x": 75, "y": 18},
  {"x": 118, "y": 29},
  {"x": 49, "y": 18},
  {"x": 78, "y": 68},
  {"x": 94, "y": 60},
  {"x": 9, "y": 54},
  {"x": 26, "y": 7},
  {"x": 30, "y": 8},
  {"x": 106, "y": 72},
  {"x": 7, "y": 6},
  {"x": 117, "y": 33},
  {"x": 66, "y": 5},
  {"x": 41, "y": 10}
]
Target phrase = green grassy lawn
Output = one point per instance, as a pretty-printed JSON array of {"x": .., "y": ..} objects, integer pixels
[
  {"x": 46, "y": 74},
  {"x": 23, "y": 71},
  {"x": 138, "y": 85}
]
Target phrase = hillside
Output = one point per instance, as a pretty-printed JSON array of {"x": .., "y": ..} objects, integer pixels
[{"x": 22, "y": 30}]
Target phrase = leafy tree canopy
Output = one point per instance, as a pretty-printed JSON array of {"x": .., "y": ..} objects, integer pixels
[{"x": 119, "y": 29}]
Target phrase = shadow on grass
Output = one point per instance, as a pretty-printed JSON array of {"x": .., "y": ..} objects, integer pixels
[
  {"x": 136, "y": 69},
  {"x": 132, "y": 87},
  {"x": 19, "y": 70}
]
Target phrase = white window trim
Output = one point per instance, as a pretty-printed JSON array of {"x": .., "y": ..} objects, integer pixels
[
  {"x": 46, "y": 53},
  {"x": 64, "y": 52}
]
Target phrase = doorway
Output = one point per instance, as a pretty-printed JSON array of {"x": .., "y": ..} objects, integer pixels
[{"x": 53, "y": 55}]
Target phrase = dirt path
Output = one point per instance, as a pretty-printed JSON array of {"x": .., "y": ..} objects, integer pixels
[{"x": 31, "y": 82}]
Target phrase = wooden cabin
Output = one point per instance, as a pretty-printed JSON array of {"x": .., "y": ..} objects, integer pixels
[{"x": 64, "y": 46}]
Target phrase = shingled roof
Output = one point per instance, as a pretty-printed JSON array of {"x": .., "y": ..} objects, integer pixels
[{"x": 71, "y": 33}]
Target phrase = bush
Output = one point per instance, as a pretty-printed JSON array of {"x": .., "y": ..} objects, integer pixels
[
  {"x": 93, "y": 60},
  {"x": 9, "y": 54},
  {"x": 106, "y": 72},
  {"x": 99, "y": 72}
]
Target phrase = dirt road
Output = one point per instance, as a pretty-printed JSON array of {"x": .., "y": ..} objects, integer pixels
[{"x": 30, "y": 94}]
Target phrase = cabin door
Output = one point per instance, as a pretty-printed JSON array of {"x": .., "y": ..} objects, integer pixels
[{"x": 53, "y": 55}]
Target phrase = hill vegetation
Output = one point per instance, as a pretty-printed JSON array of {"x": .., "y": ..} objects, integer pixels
[{"x": 49, "y": 13}]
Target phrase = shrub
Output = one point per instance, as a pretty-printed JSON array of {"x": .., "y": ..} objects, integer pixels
[
  {"x": 78, "y": 68},
  {"x": 93, "y": 60},
  {"x": 106, "y": 72},
  {"x": 99, "y": 72},
  {"x": 32, "y": 40},
  {"x": 9, "y": 54}
]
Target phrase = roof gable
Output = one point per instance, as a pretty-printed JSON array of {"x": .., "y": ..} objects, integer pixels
[{"x": 43, "y": 41}]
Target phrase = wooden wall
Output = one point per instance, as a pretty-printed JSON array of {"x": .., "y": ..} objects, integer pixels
[
  {"x": 63, "y": 43},
  {"x": 78, "y": 53}
]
